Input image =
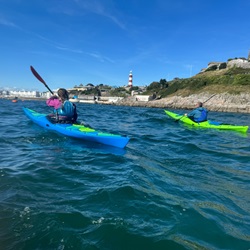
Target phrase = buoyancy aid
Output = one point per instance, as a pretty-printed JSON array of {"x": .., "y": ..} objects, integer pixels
[
  {"x": 203, "y": 116},
  {"x": 67, "y": 112}
]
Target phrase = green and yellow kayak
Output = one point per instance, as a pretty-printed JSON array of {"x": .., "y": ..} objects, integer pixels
[{"x": 206, "y": 124}]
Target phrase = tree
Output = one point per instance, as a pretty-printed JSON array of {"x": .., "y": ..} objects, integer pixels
[
  {"x": 153, "y": 86},
  {"x": 163, "y": 83}
]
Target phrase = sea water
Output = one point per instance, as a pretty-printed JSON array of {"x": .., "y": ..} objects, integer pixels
[{"x": 172, "y": 187}]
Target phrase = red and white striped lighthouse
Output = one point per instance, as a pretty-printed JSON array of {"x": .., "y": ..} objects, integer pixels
[{"x": 130, "y": 79}]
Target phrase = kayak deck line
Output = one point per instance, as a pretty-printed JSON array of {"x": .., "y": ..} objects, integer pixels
[
  {"x": 77, "y": 130},
  {"x": 207, "y": 124}
]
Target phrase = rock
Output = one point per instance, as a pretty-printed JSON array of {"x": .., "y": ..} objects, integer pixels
[{"x": 239, "y": 63}]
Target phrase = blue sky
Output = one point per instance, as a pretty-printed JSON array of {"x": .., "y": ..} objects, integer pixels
[{"x": 70, "y": 42}]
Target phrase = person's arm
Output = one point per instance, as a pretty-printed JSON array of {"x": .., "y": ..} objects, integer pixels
[{"x": 192, "y": 113}]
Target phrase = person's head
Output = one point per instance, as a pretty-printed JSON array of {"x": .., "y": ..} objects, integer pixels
[
  {"x": 63, "y": 94},
  {"x": 199, "y": 104}
]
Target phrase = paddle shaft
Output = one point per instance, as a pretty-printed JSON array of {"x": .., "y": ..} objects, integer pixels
[
  {"x": 210, "y": 98},
  {"x": 40, "y": 79}
]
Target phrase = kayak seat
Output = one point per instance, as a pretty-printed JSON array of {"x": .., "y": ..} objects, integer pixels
[{"x": 53, "y": 119}]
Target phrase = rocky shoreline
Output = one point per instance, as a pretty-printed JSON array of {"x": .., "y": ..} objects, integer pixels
[{"x": 222, "y": 102}]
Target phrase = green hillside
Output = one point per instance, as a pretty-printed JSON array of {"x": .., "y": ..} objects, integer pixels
[{"x": 233, "y": 81}]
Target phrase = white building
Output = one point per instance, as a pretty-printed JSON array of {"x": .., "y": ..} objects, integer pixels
[{"x": 19, "y": 93}]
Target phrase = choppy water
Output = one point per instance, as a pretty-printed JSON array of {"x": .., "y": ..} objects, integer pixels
[{"x": 172, "y": 187}]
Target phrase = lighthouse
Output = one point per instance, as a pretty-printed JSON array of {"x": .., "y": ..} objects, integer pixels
[{"x": 130, "y": 79}]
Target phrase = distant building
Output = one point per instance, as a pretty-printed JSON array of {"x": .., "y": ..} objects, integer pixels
[
  {"x": 82, "y": 88},
  {"x": 46, "y": 94},
  {"x": 19, "y": 93},
  {"x": 144, "y": 98},
  {"x": 5, "y": 92}
]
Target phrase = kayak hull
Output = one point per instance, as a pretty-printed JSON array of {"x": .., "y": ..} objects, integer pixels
[
  {"x": 206, "y": 124},
  {"x": 77, "y": 131}
]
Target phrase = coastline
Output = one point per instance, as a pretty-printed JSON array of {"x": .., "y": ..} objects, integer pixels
[{"x": 221, "y": 102}]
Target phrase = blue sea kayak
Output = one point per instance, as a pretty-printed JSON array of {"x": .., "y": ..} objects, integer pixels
[{"x": 77, "y": 131}]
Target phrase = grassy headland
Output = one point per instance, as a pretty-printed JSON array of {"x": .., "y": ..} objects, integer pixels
[{"x": 233, "y": 81}]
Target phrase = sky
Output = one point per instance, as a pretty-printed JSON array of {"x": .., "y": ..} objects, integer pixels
[{"x": 73, "y": 42}]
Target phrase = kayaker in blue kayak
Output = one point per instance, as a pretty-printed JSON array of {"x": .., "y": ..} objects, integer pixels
[
  {"x": 65, "y": 110},
  {"x": 199, "y": 114}
]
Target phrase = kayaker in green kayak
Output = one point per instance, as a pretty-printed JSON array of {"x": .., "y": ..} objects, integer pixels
[
  {"x": 199, "y": 114},
  {"x": 65, "y": 111}
]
